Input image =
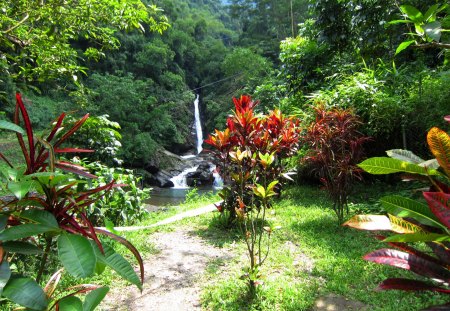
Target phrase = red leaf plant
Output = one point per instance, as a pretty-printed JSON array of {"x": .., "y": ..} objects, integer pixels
[
  {"x": 414, "y": 221},
  {"x": 253, "y": 134},
  {"x": 47, "y": 202},
  {"x": 336, "y": 149}
]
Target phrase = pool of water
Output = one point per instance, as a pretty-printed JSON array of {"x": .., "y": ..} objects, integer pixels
[{"x": 174, "y": 196}]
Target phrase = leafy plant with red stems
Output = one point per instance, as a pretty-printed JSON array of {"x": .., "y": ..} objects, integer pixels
[
  {"x": 273, "y": 134},
  {"x": 249, "y": 154},
  {"x": 46, "y": 208},
  {"x": 415, "y": 221},
  {"x": 336, "y": 148}
]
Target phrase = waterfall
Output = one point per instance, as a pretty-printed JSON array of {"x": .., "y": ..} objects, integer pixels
[
  {"x": 179, "y": 181},
  {"x": 198, "y": 125}
]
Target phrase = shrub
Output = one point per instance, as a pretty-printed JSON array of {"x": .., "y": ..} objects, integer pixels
[
  {"x": 336, "y": 148},
  {"x": 414, "y": 221},
  {"x": 46, "y": 207},
  {"x": 249, "y": 155},
  {"x": 99, "y": 134},
  {"x": 122, "y": 205}
]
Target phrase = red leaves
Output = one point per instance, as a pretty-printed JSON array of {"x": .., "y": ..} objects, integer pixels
[
  {"x": 410, "y": 262},
  {"x": 244, "y": 104},
  {"x": 439, "y": 204},
  {"x": 410, "y": 285},
  {"x": 273, "y": 133},
  {"x": 336, "y": 147}
]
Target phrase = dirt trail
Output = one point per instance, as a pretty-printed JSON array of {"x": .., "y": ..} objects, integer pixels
[{"x": 171, "y": 277}]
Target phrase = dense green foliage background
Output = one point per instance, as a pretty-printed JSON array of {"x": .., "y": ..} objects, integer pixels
[{"x": 288, "y": 54}]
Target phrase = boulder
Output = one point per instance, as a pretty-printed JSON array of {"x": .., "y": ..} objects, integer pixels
[
  {"x": 162, "y": 179},
  {"x": 201, "y": 177}
]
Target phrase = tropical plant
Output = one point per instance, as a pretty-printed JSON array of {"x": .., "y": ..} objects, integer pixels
[
  {"x": 249, "y": 154},
  {"x": 336, "y": 148},
  {"x": 414, "y": 221},
  {"x": 46, "y": 208},
  {"x": 429, "y": 26},
  {"x": 99, "y": 134},
  {"x": 122, "y": 205}
]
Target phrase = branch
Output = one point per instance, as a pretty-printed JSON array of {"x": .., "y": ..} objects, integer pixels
[
  {"x": 432, "y": 45},
  {"x": 17, "y": 25}
]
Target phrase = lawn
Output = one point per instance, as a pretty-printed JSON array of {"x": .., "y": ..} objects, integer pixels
[{"x": 311, "y": 256}]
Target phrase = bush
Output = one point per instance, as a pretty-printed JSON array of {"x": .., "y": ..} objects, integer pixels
[
  {"x": 123, "y": 205},
  {"x": 336, "y": 148},
  {"x": 426, "y": 225},
  {"x": 249, "y": 154}
]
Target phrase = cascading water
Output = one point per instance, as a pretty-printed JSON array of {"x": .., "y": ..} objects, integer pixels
[
  {"x": 179, "y": 181},
  {"x": 198, "y": 125}
]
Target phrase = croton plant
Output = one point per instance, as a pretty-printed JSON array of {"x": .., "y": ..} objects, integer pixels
[
  {"x": 43, "y": 215},
  {"x": 249, "y": 154},
  {"x": 412, "y": 221}
]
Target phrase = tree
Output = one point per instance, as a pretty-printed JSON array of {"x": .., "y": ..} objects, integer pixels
[{"x": 37, "y": 37}]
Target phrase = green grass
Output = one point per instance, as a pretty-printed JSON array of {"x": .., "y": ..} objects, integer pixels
[{"x": 311, "y": 256}]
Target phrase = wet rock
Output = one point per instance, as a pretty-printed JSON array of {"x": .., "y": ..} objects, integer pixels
[
  {"x": 162, "y": 179},
  {"x": 201, "y": 177}
]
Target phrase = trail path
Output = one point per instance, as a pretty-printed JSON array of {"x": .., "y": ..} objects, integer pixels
[{"x": 171, "y": 276}]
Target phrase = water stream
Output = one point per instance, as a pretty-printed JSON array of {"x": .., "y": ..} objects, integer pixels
[
  {"x": 198, "y": 125},
  {"x": 177, "y": 193}
]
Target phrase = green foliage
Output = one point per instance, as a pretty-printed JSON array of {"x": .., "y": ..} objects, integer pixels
[
  {"x": 379, "y": 108},
  {"x": 36, "y": 37},
  {"x": 147, "y": 122},
  {"x": 122, "y": 205},
  {"x": 99, "y": 134},
  {"x": 45, "y": 206},
  {"x": 429, "y": 26},
  {"x": 301, "y": 58}
]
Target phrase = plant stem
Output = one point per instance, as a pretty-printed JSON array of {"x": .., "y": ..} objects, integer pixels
[{"x": 48, "y": 245}]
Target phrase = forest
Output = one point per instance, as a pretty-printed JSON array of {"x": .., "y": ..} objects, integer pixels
[{"x": 342, "y": 101}]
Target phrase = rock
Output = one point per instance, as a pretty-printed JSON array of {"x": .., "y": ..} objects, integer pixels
[
  {"x": 162, "y": 179},
  {"x": 201, "y": 177}
]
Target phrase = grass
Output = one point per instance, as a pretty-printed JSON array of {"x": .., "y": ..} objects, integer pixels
[{"x": 311, "y": 256}]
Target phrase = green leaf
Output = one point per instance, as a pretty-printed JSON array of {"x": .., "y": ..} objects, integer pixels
[
  {"x": 101, "y": 261},
  {"x": 271, "y": 185},
  {"x": 400, "y": 21},
  {"x": 404, "y": 155},
  {"x": 413, "y": 14},
  {"x": 76, "y": 254},
  {"x": 25, "y": 292},
  {"x": 70, "y": 303},
  {"x": 418, "y": 237},
  {"x": 6, "y": 125},
  {"x": 5, "y": 274},
  {"x": 94, "y": 298},
  {"x": 430, "y": 14},
  {"x": 41, "y": 217},
  {"x": 21, "y": 188},
  {"x": 433, "y": 30},
  {"x": 404, "y": 207},
  {"x": 119, "y": 264},
  {"x": 3, "y": 221},
  {"x": 403, "y": 46},
  {"x": 21, "y": 248},
  {"x": 383, "y": 165},
  {"x": 24, "y": 231}
]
